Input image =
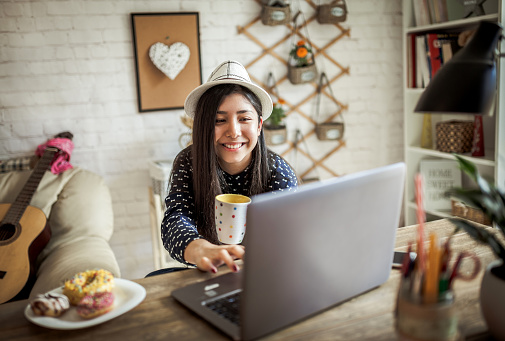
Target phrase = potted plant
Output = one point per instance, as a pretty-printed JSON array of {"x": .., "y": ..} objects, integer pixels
[
  {"x": 301, "y": 67},
  {"x": 275, "y": 128},
  {"x": 491, "y": 200}
]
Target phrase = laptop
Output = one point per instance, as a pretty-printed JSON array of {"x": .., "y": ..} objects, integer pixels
[{"x": 306, "y": 251}]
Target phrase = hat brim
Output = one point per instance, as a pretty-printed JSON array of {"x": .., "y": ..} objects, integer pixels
[{"x": 194, "y": 96}]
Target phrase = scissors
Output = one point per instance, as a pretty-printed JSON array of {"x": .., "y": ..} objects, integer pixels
[{"x": 456, "y": 272}]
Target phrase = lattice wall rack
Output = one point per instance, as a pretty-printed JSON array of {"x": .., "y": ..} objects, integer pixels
[{"x": 296, "y": 107}]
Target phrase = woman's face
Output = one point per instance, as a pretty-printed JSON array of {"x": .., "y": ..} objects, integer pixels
[{"x": 237, "y": 129}]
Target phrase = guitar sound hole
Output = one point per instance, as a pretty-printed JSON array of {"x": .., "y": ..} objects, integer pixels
[{"x": 7, "y": 231}]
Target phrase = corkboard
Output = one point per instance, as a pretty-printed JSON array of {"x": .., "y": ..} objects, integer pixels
[{"x": 156, "y": 90}]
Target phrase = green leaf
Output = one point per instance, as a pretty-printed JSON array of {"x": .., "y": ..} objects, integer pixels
[
  {"x": 481, "y": 235},
  {"x": 472, "y": 171},
  {"x": 490, "y": 200},
  {"x": 487, "y": 198},
  {"x": 471, "y": 197},
  {"x": 467, "y": 167}
]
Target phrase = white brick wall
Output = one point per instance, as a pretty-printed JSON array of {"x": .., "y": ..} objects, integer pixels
[{"x": 68, "y": 65}]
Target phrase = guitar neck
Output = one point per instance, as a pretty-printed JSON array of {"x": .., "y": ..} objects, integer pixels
[{"x": 23, "y": 199}]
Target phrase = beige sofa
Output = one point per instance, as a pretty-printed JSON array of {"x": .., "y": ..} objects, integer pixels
[{"x": 79, "y": 207}]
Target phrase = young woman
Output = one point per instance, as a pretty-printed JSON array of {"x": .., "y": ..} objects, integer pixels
[{"x": 228, "y": 155}]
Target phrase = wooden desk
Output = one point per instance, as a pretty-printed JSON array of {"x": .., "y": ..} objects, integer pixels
[{"x": 160, "y": 317}]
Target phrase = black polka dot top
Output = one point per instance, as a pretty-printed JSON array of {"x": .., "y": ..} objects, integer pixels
[{"x": 178, "y": 228}]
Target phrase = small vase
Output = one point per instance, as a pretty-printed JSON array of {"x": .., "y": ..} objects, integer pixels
[
  {"x": 302, "y": 74},
  {"x": 275, "y": 135},
  {"x": 330, "y": 131},
  {"x": 492, "y": 301}
]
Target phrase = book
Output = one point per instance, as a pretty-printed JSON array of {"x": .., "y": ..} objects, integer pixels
[
  {"x": 422, "y": 59},
  {"x": 442, "y": 10},
  {"x": 439, "y": 176},
  {"x": 411, "y": 61},
  {"x": 434, "y": 49},
  {"x": 435, "y": 16},
  {"x": 446, "y": 52},
  {"x": 421, "y": 12},
  {"x": 427, "y": 57},
  {"x": 448, "y": 43}
]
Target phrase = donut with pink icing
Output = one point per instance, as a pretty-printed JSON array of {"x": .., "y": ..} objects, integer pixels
[{"x": 95, "y": 305}]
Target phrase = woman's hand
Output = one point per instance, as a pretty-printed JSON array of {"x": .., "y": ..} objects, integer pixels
[{"x": 208, "y": 257}]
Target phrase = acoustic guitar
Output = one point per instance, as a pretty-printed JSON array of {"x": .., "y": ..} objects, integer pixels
[{"x": 24, "y": 232}]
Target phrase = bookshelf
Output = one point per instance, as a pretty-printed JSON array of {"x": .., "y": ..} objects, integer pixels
[{"x": 492, "y": 165}]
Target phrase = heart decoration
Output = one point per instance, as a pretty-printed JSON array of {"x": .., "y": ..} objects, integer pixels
[{"x": 170, "y": 60}]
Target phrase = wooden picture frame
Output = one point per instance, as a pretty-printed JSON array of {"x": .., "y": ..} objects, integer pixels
[{"x": 165, "y": 87}]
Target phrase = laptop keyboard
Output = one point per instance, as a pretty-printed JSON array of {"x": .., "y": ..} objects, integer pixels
[{"x": 227, "y": 307}]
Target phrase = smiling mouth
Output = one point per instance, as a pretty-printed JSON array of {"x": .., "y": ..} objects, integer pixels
[{"x": 233, "y": 146}]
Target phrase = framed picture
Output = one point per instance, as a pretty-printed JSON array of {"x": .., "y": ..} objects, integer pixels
[
  {"x": 167, "y": 58},
  {"x": 439, "y": 177}
]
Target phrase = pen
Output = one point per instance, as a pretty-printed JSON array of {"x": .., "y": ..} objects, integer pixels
[
  {"x": 443, "y": 282},
  {"x": 445, "y": 256}
]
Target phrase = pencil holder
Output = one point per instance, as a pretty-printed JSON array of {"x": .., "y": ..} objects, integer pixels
[{"x": 421, "y": 321}]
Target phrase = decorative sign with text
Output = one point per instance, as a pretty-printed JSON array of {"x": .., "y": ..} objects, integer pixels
[{"x": 439, "y": 176}]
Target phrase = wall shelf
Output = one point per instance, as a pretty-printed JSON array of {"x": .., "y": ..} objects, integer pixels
[{"x": 492, "y": 165}]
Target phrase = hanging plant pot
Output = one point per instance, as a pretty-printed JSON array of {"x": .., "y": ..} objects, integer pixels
[
  {"x": 330, "y": 131},
  {"x": 301, "y": 61},
  {"x": 333, "y": 13},
  {"x": 275, "y": 135},
  {"x": 302, "y": 74},
  {"x": 275, "y": 15},
  {"x": 492, "y": 300}
]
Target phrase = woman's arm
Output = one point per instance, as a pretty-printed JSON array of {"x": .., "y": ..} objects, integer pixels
[
  {"x": 178, "y": 228},
  {"x": 179, "y": 232}
]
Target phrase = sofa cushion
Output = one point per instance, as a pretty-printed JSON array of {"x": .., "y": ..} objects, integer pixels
[
  {"x": 79, "y": 207},
  {"x": 83, "y": 209},
  {"x": 85, "y": 253}
]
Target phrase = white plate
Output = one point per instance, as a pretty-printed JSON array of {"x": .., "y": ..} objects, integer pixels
[{"x": 127, "y": 294}]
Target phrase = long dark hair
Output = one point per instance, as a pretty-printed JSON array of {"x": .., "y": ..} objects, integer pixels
[{"x": 207, "y": 174}]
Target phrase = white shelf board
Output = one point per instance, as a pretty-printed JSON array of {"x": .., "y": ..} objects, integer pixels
[
  {"x": 487, "y": 160},
  {"x": 468, "y": 22}
]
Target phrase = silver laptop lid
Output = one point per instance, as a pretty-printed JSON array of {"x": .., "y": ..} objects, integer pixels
[{"x": 319, "y": 246}]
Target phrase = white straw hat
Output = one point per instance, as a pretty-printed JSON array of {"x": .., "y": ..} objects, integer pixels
[{"x": 229, "y": 72}]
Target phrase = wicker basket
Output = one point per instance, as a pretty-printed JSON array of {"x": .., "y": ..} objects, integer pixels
[
  {"x": 274, "y": 15},
  {"x": 330, "y": 131},
  {"x": 333, "y": 13},
  {"x": 461, "y": 210},
  {"x": 454, "y": 136},
  {"x": 275, "y": 135},
  {"x": 302, "y": 74}
]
